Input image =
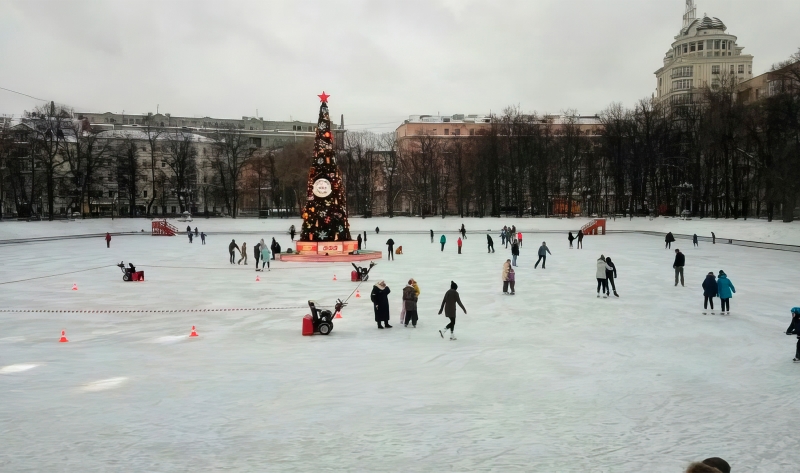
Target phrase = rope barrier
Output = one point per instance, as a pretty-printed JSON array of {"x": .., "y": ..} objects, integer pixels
[
  {"x": 145, "y": 311},
  {"x": 59, "y": 274}
]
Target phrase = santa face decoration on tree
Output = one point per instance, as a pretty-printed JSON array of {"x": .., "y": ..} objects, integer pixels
[{"x": 325, "y": 212}]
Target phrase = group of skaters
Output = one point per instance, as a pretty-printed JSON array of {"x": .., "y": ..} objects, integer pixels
[
  {"x": 195, "y": 234},
  {"x": 408, "y": 310},
  {"x": 261, "y": 252}
]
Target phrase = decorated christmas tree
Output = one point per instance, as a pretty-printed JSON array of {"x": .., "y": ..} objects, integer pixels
[{"x": 325, "y": 212}]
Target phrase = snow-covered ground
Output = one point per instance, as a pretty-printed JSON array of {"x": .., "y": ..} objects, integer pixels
[{"x": 552, "y": 379}]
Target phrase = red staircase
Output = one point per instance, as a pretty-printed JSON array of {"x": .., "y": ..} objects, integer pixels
[
  {"x": 162, "y": 228},
  {"x": 595, "y": 227}
]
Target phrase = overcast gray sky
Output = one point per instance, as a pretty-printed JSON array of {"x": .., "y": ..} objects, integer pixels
[{"x": 380, "y": 60}]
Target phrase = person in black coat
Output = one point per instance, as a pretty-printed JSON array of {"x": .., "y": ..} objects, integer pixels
[
  {"x": 489, "y": 243},
  {"x": 275, "y": 247},
  {"x": 390, "y": 244},
  {"x": 611, "y": 274},
  {"x": 514, "y": 252},
  {"x": 359, "y": 241},
  {"x": 463, "y": 232},
  {"x": 678, "y": 264},
  {"x": 431, "y": 235},
  {"x": 580, "y": 239},
  {"x": 380, "y": 301},
  {"x": 709, "y": 291},
  {"x": 365, "y": 238},
  {"x": 292, "y": 232},
  {"x": 668, "y": 240},
  {"x": 694, "y": 240},
  {"x": 257, "y": 253},
  {"x": 571, "y": 239}
]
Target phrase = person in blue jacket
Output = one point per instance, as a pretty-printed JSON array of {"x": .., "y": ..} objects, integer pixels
[
  {"x": 443, "y": 240},
  {"x": 725, "y": 290},
  {"x": 709, "y": 291}
]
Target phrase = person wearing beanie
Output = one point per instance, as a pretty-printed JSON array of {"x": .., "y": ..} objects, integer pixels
[
  {"x": 232, "y": 252},
  {"x": 600, "y": 274},
  {"x": 611, "y": 274},
  {"x": 718, "y": 463},
  {"x": 380, "y": 300},
  {"x": 709, "y": 292},
  {"x": 699, "y": 467},
  {"x": 680, "y": 261},
  {"x": 451, "y": 298},
  {"x": 725, "y": 290}
]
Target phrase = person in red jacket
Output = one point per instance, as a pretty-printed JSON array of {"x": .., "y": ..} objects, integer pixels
[
  {"x": 108, "y": 240},
  {"x": 459, "y": 245}
]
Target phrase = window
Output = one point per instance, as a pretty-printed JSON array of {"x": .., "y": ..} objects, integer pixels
[
  {"x": 447, "y": 131},
  {"x": 173, "y": 209},
  {"x": 163, "y": 164},
  {"x": 255, "y": 142},
  {"x": 251, "y": 127},
  {"x": 457, "y": 132},
  {"x": 741, "y": 68},
  {"x": 749, "y": 68},
  {"x": 311, "y": 128},
  {"x": 144, "y": 193},
  {"x": 682, "y": 84},
  {"x": 111, "y": 193},
  {"x": 724, "y": 44},
  {"x": 710, "y": 44},
  {"x": 716, "y": 44},
  {"x": 699, "y": 45},
  {"x": 685, "y": 48},
  {"x": 732, "y": 68},
  {"x": 715, "y": 69},
  {"x": 691, "y": 47},
  {"x": 472, "y": 132}
]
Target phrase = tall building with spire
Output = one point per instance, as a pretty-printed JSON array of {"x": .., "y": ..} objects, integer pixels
[{"x": 703, "y": 54}]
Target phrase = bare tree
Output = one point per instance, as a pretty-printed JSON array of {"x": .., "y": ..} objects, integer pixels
[
  {"x": 179, "y": 153},
  {"x": 152, "y": 132},
  {"x": 231, "y": 154}
]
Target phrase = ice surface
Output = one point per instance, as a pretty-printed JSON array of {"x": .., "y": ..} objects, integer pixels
[{"x": 551, "y": 379}]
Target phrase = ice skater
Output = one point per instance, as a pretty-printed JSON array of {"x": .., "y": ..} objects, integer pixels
[
  {"x": 377, "y": 230},
  {"x": 196, "y": 233},
  {"x": 410, "y": 297},
  {"x": 365, "y": 238},
  {"x": 257, "y": 252},
  {"x": 668, "y": 240},
  {"x": 508, "y": 277},
  {"x": 713, "y": 239},
  {"x": 463, "y": 232},
  {"x": 188, "y": 229},
  {"x": 725, "y": 290},
  {"x": 202, "y": 238},
  {"x": 611, "y": 275},
  {"x": 451, "y": 298},
  {"x": 275, "y": 247},
  {"x": 794, "y": 325},
  {"x": 265, "y": 254},
  {"x": 678, "y": 264},
  {"x": 292, "y": 233},
  {"x": 571, "y": 239},
  {"x": 380, "y": 301},
  {"x": 709, "y": 292},
  {"x": 519, "y": 238},
  {"x": 600, "y": 274},
  {"x": 489, "y": 243},
  {"x": 514, "y": 252},
  {"x": 390, "y": 244},
  {"x": 543, "y": 252},
  {"x": 443, "y": 240},
  {"x": 231, "y": 247},
  {"x": 797, "y": 351},
  {"x": 190, "y": 236},
  {"x": 580, "y": 239},
  {"x": 243, "y": 253},
  {"x": 431, "y": 235},
  {"x": 458, "y": 243},
  {"x": 694, "y": 240},
  {"x": 108, "y": 240},
  {"x": 358, "y": 240}
]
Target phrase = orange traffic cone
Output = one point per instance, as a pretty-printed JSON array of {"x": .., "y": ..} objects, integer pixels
[
  {"x": 334, "y": 277},
  {"x": 74, "y": 286},
  {"x": 194, "y": 332},
  {"x": 257, "y": 278},
  {"x": 63, "y": 336},
  {"x": 338, "y": 315},
  {"x": 358, "y": 294}
]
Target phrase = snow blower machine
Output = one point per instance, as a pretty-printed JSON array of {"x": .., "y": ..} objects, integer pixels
[{"x": 321, "y": 320}]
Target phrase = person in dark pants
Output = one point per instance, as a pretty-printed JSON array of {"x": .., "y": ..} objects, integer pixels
[
  {"x": 377, "y": 230},
  {"x": 431, "y": 235},
  {"x": 108, "y": 240},
  {"x": 188, "y": 229},
  {"x": 196, "y": 233},
  {"x": 514, "y": 252},
  {"x": 543, "y": 252},
  {"x": 443, "y": 240},
  {"x": 410, "y": 303},
  {"x": 602, "y": 282},
  {"x": 292, "y": 233},
  {"x": 713, "y": 239},
  {"x": 709, "y": 291},
  {"x": 365, "y": 238},
  {"x": 231, "y": 248},
  {"x": 463, "y": 232},
  {"x": 580, "y": 239},
  {"x": 611, "y": 274},
  {"x": 489, "y": 243},
  {"x": 190, "y": 237},
  {"x": 668, "y": 240},
  {"x": 202, "y": 238},
  {"x": 390, "y": 244},
  {"x": 451, "y": 298},
  {"x": 257, "y": 252},
  {"x": 571, "y": 239},
  {"x": 694, "y": 240},
  {"x": 797, "y": 351},
  {"x": 725, "y": 290},
  {"x": 275, "y": 247},
  {"x": 678, "y": 264},
  {"x": 380, "y": 301},
  {"x": 359, "y": 241},
  {"x": 458, "y": 243}
]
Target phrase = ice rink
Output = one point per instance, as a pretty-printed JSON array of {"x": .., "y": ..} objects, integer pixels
[{"x": 551, "y": 379}]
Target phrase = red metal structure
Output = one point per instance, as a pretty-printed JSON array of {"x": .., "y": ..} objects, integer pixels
[
  {"x": 162, "y": 228},
  {"x": 595, "y": 227}
]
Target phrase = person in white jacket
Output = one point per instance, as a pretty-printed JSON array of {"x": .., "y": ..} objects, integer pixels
[{"x": 602, "y": 281}]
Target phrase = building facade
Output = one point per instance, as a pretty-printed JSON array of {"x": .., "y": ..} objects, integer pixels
[{"x": 703, "y": 55}]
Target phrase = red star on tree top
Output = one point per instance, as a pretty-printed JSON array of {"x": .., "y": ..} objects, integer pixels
[{"x": 323, "y": 97}]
